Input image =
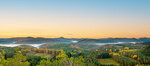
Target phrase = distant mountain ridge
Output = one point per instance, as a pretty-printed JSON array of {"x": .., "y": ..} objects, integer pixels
[{"x": 39, "y": 40}]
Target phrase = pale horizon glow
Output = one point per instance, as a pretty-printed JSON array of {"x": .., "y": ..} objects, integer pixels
[{"x": 75, "y": 18}]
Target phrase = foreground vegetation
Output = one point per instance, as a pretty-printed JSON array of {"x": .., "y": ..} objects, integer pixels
[{"x": 76, "y": 55}]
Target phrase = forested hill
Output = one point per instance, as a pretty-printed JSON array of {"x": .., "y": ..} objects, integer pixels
[
  {"x": 38, "y": 40},
  {"x": 62, "y": 54}
]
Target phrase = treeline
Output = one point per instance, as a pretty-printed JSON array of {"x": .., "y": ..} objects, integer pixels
[
  {"x": 60, "y": 55},
  {"x": 22, "y": 57}
]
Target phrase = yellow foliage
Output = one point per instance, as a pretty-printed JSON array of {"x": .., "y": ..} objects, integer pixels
[
  {"x": 126, "y": 48},
  {"x": 120, "y": 50},
  {"x": 110, "y": 50},
  {"x": 136, "y": 65},
  {"x": 62, "y": 54},
  {"x": 74, "y": 53},
  {"x": 135, "y": 56},
  {"x": 81, "y": 58},
  {"x": 106, "y": 49},
  {"x": 97, "y": 50},
  {"x": 113, "y": 53},
  {"x": 117, "y": 64},
  {"x": 19, "y": 51},
  {"x": 56, "y": 57}
]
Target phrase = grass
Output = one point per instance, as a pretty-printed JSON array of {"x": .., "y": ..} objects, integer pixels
[
  {"x": 48, "y": 56},
  {"x": 43, "y": 55},
  {"x": 108, "y": 61}
]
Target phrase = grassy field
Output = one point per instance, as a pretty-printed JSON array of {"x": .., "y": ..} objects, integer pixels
[
  {"x": 48, "y": 56},
  {"x": 44, "y": 55},
  {"x": 108, "y": 61}
]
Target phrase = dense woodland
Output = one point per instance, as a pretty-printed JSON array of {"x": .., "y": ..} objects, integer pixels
[{"x": 63, "y": 54}]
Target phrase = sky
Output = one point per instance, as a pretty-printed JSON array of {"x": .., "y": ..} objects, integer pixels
[{"x": 75, "y": 18}]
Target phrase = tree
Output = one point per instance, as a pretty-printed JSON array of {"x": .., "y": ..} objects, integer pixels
[
  {"x": 126, "y": 48},
  {"x": 45, "y": 63},
  {"x": 17, "y": 60},
  {"x": 34, "y": 60}
]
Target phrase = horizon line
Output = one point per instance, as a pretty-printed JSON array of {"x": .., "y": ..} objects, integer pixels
[{"x": 77, "y": 38}]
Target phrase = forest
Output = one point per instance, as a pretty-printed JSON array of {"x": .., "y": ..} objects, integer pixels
[{"x": 63, "y": 54}]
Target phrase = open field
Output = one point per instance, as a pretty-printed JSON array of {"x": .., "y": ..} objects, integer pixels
[{"x": 108, "y": 61}]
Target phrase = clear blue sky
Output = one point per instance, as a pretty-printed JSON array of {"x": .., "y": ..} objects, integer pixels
[{"x": 75, "y": 18}]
